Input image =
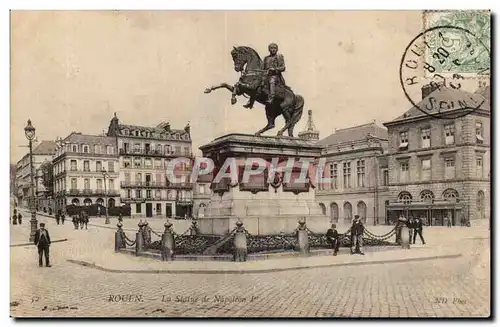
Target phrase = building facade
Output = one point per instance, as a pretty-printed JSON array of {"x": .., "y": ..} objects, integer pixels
[
  {"x": 86, "y": 171},
  {"x": 42, "y": 153},
  {"x": 440, "y": 167},
  {"x": 144, "y": 156},
  {"x": 358, "y": 172}
]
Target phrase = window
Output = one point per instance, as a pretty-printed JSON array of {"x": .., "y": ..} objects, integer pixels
[
  {"x": 386, "y": 177},
  {"x": 347, "y": 174},
  {"x": 111, "y": 184},
  {"x": 426, "y": 137},
  {"x": 86, "y": 184},
  {"x": 157, "y": 163},
  {"x": 138, "y": 206},
  {"x": 427, "y": 196},
  {"x": 177, "y": 150},
  {"x": 73, "y": 165},
  {"x": 403, "y": 140},
  {"x": 202, "y": 189},
  {"x": 360, "y": 168},
  {"x": 148, "y": 194},
  {"x": 158, "y": 179},
  {"x": 449, "y": 134},
  {"x": 129, "y": 194},
  {"x": 187, "y": 151},
  {"x": 479, "y": 166},
  {"x": 147, "y": 163},
  {"x": 138, "y": 194},
  {"x": 404, "y": 172},
  {"x": 74, "y": 148},
  {"x": 138, "y": 178},
  {"x": 404, "y": 197},
  {"x": 126, "y": 147},
  {"x": 167, "y": 149},
  {"x": 85, "y": 149},
  {"x": 334, "y": 175},
  {"x": 97, "y": 149},
  {"x": 137, "y": 162},
  {"x": 147, "y": 148},
  {"x": 126, "y": 162},
  {"x": 158, "y": 148},
  {"x": 127, "y": 178},
  {"x": 137, "y": 147},
  {"x": 334, "y": 212},
  {"x": 158, "y": 194},
  {"x": 86, "y": 165},
  {"x": 111, "y": 166},
  {"x": 449, "y": 168},
  {"x": 479, "y": 133},
  {"x": 99, "y": 184},
  {"x": 98, "y": 166},
  {"x": 73, "y": 184},
  {"x": 110, "y": 149},
  {"x": 347, "y": 212},
  {"x": 425, "y": 169},
  {"x": 451, "y": 195}
]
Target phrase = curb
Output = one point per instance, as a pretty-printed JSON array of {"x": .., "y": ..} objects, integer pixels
[
  {"x": 243, "y": 271},
  {"x": 26, "y": 244}
]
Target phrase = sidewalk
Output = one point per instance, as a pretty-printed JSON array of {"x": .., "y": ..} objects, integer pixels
[{"x": 124, "y": 263}]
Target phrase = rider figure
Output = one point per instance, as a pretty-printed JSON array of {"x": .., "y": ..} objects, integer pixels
[{"x": 274, "y": 65}]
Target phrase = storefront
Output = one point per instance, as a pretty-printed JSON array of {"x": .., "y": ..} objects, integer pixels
[{"x": 433, "y": 214}]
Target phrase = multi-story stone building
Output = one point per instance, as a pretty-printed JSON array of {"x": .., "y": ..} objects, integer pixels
[
  {"x": 42, "y": 153},
  {"x": 86, "y": 171},
  {"x": 439, "y": 166},
  {"x": 202, "y": 194},
  {"x": 359, "y": 177},
  {"x": 145, "y": 153}
]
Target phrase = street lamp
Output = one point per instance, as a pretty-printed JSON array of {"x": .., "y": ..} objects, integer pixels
[
  {"x": 29, "y": 131},
  {"x": 105, "y": 174}
]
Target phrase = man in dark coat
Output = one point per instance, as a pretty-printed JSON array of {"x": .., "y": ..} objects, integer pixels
[
  {"x": 20, "y": 218},
  {"x": 332, "y": 235},
  {"x": 357, "y": 231},
  {"x": 418, "y": 230},
  {"x": 42, "y": 241}
]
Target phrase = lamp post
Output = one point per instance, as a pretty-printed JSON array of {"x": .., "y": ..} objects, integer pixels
[
  {"x": 105, "y": 174},
  {"x": 29, "y": 131}
]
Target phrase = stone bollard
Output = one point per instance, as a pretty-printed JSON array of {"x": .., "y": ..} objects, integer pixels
[
  {"x": 405, "y": 237},
  {"x": 118, "y": 238},
  {"x": 193, "y": 230},
  {"x": 240, "y": 243},
  {"x": 146, "y": 233},
  {"x": 139, "y": 240},
  {"x": 167, "y": 243},
  {"x": 303, "y": 237}
]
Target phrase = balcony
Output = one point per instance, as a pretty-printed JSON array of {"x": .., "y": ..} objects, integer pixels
[
  {"x": 154, "y": 153},
  {"x": 177, "y": 186},
  {"x": 89, "y": 192}
]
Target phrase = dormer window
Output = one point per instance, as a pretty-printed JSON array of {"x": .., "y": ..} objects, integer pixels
[
  {"x": 74, "y": 148},
  {"x": 85, "y": 149}
]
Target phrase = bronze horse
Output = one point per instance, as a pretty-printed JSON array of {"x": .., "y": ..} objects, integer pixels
[{"x": 251, "y": 83}]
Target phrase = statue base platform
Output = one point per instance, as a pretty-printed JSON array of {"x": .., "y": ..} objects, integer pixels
[{"x": 265, "y": 207}]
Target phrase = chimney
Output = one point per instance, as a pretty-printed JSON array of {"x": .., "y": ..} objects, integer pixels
[{"x": 429, "y": 88}]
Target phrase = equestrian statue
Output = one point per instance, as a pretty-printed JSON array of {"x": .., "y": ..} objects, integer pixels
[{"x": 262, "y": 81}]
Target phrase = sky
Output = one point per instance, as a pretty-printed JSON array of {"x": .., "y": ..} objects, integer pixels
[{"x": 71, "y": 70}]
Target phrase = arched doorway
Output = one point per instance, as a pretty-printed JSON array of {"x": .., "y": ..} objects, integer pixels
[
  {"x": 334, "y": 212},
  {"x": 323, "y": 209},
  {"x": 111, "y": 203},
  {"x": 75, "y": 202},
  {"x": 87, "y": 202},
  {"x": 362, "y": 211},
  {"x": 347, "y": 212},
  {"x": 100, "y": 201},
  {"x": 480, "y": 205}
]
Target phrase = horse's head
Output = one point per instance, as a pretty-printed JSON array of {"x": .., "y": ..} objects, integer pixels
[{"x": 245, "y": 56}]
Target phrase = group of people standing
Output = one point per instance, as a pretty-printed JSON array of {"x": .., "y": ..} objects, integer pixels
[
  {"x": 17, "y": 218},
  {"x": 80, "y": 220},
  {"x": 357, "y": 231},
  {"x": 415, "y": 226}
]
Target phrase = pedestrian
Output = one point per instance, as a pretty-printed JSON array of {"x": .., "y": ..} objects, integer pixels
[
  {"x": 357, "y": 230},
  {"x": 14, "y": 218},
  {"x": 20, "y": 218},
  {"x": 85, "y": 218},
  {"x": 42, "y": 241},
  {"x": 419, "y": 226},
  {"x": 411, "y": 226},
  {"x": 120, "y": 219},
  {"x": 80, "y": 220},
  {"x": 62, "y": 218},
  {"x": 75, "y": 221},
  {"x": 332, "y": 235},
  {"x": 448, "y": 220},
  {"x": 58, "y": 218}
]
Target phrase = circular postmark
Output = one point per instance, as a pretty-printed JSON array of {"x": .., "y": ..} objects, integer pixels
[{"x": 432, "y": 61}]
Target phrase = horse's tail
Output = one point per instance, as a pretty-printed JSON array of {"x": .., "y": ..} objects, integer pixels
[{"x": 298, "y": 107}]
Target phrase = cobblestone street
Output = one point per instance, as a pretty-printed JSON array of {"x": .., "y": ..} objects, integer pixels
[{"x": 436, "y": 288}]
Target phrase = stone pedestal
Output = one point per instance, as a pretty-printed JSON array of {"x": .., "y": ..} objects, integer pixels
[{"x": 266, "y": 204}]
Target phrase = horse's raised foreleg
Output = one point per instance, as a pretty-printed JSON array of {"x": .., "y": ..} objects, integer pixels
[{"x": 230, "y": 88}]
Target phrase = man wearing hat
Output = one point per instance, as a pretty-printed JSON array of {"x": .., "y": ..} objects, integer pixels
[
  {"x": 42, "y": 241},
  {"x": 332, "y": 235},
  {"x": 357, "y": 230}
]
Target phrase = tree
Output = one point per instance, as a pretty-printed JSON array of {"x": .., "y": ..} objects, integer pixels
[{"x": 48, "y": 177}]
